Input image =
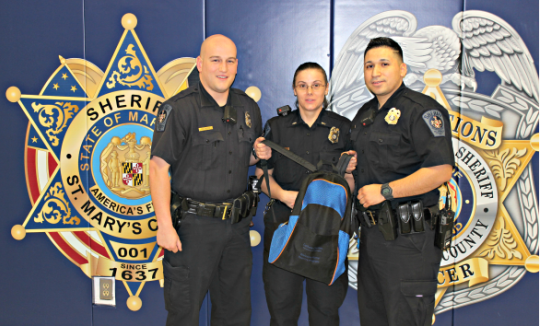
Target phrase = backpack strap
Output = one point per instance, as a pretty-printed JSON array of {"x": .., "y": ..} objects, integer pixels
[
  {"x": 343, "y": 163},
  {"x": 290, "y": 155},
  {"x": 264, "y": 165},
  {"x": 287, "y": 154}
]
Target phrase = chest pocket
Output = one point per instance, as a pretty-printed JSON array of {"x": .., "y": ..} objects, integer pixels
[
  {"x": 384, "y": 149},
  {"x": 330, "y": 156},
  {"x": 287, "y": 172},
  {"x": 205, "y": 149},
  {"x": 246, "y": 138}
]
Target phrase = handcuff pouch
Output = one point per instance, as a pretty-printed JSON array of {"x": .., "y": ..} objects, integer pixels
[
  {"x": 404, "y": 217},
  {"x": 417, "y": 210}
]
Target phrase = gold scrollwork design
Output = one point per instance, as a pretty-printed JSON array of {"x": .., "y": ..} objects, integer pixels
[
  {"x": 56, "y": 208},
  {"x": 504, "y": 164},
  {"x": 131, "y": 72},
  {"x": 502, "y": 244},
  {"x": 55, "y": 117}
]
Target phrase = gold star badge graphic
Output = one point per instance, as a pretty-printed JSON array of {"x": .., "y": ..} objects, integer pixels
[{"x": 507, "y": 160}]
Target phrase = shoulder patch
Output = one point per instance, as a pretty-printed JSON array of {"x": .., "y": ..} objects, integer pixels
[
  {"x": 434, "y": 120},
  {"x": 163, "y": 116}
]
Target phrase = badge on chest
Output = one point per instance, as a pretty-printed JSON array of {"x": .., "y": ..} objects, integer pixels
[
  {"x": 248, "y": 120},
  {"x": 333, "y": 136},
  {"x": 393, "y": 116}
]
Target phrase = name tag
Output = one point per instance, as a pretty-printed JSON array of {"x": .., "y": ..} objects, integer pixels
[{"x": 206, "y": 128}]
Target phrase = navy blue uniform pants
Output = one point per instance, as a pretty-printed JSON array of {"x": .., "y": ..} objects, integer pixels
[
  {"x": 397, "y": 280},
  {"x": 216, "y": 257},
  {"x": 284, "y": 290}
]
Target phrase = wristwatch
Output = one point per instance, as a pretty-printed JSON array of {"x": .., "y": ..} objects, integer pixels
[
  {"x": 254, "y": 153},
  {"x": 386, "y": 191}
]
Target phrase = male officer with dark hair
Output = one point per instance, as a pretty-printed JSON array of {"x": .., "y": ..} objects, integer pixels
[
  {"x": 404, "y": 147},
  {"x": 204, "y": 136}
]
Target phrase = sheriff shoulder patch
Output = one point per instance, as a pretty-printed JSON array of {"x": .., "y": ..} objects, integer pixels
[
  {"x": 162, "y": 117},
  {"x": 434, "y": 120}
]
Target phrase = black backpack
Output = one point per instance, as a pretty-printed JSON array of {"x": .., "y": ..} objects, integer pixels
[{"x": 315, "y": 240}]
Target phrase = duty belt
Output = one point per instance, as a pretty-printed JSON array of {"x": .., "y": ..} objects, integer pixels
[
  {"x": 239, "y": 208},
  {"x": 222, "y": 211},
  {"x": 370, "y": 216},
  {"x": 409, "y": 218}
]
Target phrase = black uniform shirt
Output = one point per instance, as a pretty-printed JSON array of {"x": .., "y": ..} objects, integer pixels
[
  {"x": 311, "y": 143},
  {"x": 421, "y": 138},
  {"x": 209, "y": 158}
]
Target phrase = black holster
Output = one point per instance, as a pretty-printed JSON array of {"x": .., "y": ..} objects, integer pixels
[
  {"x": 243, "y": 206},
  {"x": 386, "y": 221},
  {"x": 178, "y": 204}
]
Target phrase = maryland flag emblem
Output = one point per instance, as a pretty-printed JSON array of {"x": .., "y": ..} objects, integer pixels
[{"x": 132, "y": 175}]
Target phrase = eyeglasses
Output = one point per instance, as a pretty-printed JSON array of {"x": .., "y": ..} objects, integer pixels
[{"x": 315, "y": 87}]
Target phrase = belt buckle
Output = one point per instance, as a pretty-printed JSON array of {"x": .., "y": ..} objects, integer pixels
[{"x": 206, "y": 209}]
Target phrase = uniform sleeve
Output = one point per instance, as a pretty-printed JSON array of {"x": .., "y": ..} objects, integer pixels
[
  {"x": 169, "y": 139},
  {"x": 432, "y": 137}
]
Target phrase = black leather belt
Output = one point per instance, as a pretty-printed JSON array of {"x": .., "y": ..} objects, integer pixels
[{"x": 222, "y": 211}]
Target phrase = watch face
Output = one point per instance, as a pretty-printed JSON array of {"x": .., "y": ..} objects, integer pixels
[{"x": 386, "y": 192}]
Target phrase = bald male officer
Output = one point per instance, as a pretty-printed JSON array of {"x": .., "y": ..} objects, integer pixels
[
  {"x": 205, "y": 137},
  {"x": 404, "y": 147}
]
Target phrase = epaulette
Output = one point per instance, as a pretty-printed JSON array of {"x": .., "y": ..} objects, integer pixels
[
  {"x": 334, "y": 116},
  {"x": 274, "y": 121},
  {"x": 183, "y": 94},
  {"x": 425, "y": 101},
  {"x": 239, "y": 92}
]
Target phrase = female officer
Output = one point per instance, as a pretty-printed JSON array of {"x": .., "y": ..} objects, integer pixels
[{"x": 315, "y": 134}]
